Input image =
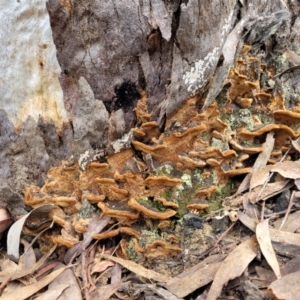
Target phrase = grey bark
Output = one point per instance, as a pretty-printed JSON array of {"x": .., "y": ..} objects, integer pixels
[{"x": 110, "y": 50}]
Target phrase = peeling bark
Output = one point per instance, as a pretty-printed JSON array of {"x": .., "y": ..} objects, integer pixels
[{"x": 109, "y": 51}]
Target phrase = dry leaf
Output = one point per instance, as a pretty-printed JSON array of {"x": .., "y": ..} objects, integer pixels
[
  {"x": 116, "y": 275},
  {"x": 8, "y": 265},
  {"x": 233, "y": 266},
  {"x": 279, "y": 238},
  {"x": 14, "y": 233},
  {"x": 264, "y": 239},
  {"x": 290, "y": 267},
  {"x": 287, "y": 287},
  {"x": 105, "y": 292},
  {"x": 247, "y": 221},
  {"x": 195, "y": 277},
  {"x": 21, "y": 273},
  {"x": 102, "y": 266},
  {"x": 288, "y": 169},
  {"x": 269, "y": 191},
  {"x": 52, "y": 294},
  {"x": 260, "y": 176},
  {"x": 291, "y": 224},
  {"x": 31, "y": 289},
  {"x": 162, "y": 292},
  {"x": 138, "y": 269},
  {"x": 284, "y": 237},
  {"x": 28, "y": 259},
  {"x": 296, "y": 145},
  {"x": 66, "y": 277},
  {"x": 260, "y": 162}
]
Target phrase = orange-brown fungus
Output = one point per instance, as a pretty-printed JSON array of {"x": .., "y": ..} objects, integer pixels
[
  {"x": 198, "y": 204},
  {"x": 160, "y": 249},
  {"x": 195, "y": 157},
  {"x": 150, "y": 211}
]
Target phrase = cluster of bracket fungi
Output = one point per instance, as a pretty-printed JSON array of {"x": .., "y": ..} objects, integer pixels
[{"x": 165, "y": 175}]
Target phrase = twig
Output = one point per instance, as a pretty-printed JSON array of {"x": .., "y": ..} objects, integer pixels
[
  {"x": 89, "y": 266},
  {"x": 286, "y": 71},
  {"x": 276, "y": 214},
  {"x": 217, "y": 242},
  {"x": 84, "y": 275},
  {"x": 291, "y": 203}
]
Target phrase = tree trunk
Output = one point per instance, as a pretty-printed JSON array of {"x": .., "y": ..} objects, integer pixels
[{"x": 73, "y": 71}]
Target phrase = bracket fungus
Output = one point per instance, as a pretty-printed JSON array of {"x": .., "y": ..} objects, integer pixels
[
  {"x": 151, "y": 212},
  {"x": 162, "y": 176}
]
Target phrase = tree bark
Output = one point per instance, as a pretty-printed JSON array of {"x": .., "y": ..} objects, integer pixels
[{"x": 79, "y": 101}]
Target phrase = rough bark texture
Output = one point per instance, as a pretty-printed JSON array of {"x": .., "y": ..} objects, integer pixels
[{"x": 109, "y": 51}]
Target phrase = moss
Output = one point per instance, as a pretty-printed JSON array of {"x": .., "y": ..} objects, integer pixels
[
  {"x": 165, "y": 169},
  {"x": 150, "y": 203},
  {"x": 87, "y": 210},
  {"x": 148, "y": 237},
  {"x": 131, "y": 251},
  {"x": 215, "y": 201},
  {"x": 216, "y": 143},
  {"x": 214, "y": 177},
  {"x": 204, "y": 136},
  {"x": 265, "y": 119}
]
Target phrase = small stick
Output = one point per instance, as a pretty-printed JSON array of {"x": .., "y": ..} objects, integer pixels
[
  {"x": 84, "y": 275},
  {"x": 5, "y": 282},
  {"x": 217, "y": 242},
  {"x": 291, "y": 203}
]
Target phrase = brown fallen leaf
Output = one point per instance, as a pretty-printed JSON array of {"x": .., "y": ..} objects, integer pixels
[
  {"x": 264, "y": 239},
  {"x": 285, "y": 237},
  {"x": 116, "y": 275},
  {"x": 14, "y": 233},
  {"x": 66, "y": 277},
  {"x": 31, "y": 289},
  {"x": 287, "y": 287},
  {"x": 260, "y": 162},
  {"x": 21, "y": 273},
  {"x": 138, "y": 269},
  {"x": 162, "y": 292},
  {"x": 233, "y": 266},
  {"x": 255, "y": 195},
  {"x": 105, "y": 292},
  {"x": 295, "y": 144},
  {"x": 288, "y": 169},
  {"x": 53, "y": 293},
  {"x": 260, "y": 176},
  {"x": 28, "y": 259},
  {"x": 195, "y": 277},
  {"x": 291, "y": 224},
  {"x": 290, "y": 267},
  {"x": 102, "y": 266}
]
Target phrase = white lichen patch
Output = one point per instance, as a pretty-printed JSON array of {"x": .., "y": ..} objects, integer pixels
[
  {"x": 123, "y": 143},
  {"x": 166, "y": 169},
  {"x": 84, "y": 159},
  {"x": 197, "y": 77},
  {"x": 226, "y": 27},
  {"x": 187, "y": 179},
  {"x": 199, "y": 74}
]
